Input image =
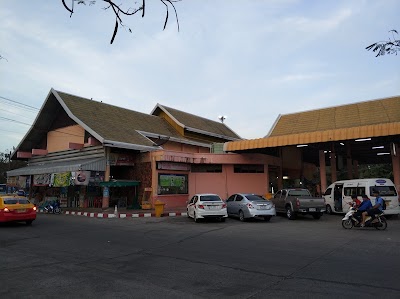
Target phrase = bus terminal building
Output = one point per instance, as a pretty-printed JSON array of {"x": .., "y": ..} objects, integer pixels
[{"x": 91, "y": 154}]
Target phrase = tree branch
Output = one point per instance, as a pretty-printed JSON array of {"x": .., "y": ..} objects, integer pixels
[
  {"x": 391, "y": 46},
  {"x": 118, "y": 11}
]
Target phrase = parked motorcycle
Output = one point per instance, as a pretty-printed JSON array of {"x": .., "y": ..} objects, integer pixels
[
  {"x": 378, "y": 221},
  {"x": 53, "y": 208}
]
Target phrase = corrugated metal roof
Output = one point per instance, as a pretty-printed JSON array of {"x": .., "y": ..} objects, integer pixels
[
  {"x": 315, "y": 137},
  {"x": 58, "y": 167},
  {"x": 340, "y": 117}
]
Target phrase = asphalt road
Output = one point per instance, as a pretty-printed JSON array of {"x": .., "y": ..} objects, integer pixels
[{"x": 79, "y": 257}]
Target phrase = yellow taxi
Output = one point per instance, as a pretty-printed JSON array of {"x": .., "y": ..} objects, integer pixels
[{"x": 16, "y": 208}]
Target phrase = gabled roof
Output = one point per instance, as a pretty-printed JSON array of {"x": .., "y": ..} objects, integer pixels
[
  {"x": 197, "y": 124},
  {"x": 360, "y": 114},
  {"x": 111, "y": 125},
  {"x": 373, "y": 118}
]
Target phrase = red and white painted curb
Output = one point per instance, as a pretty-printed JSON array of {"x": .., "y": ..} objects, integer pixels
[{"x": 119, "y": 215}]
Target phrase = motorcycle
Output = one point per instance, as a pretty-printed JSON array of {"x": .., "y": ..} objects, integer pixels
[
  {"x": 378, "y": 221},
  {"x": 53, "y": 208}
]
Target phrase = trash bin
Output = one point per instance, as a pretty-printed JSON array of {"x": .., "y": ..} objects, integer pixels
[{"x": 159, "y": 208}]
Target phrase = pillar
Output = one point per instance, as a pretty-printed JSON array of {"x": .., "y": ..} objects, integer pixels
[
  {"x": 106, "y": 192},
  {"x": 355, "y": 168},
  {"x": 349, "y": 162},
  {"x": 333, "y": 164},
  {"x": 322, "y": 170},
  {"x": 394, "y": 150},
  {"x": 266, "y": 170}
]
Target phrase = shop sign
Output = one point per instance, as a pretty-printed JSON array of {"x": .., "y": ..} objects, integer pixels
[
  {"x": 81, "y": 177},
  {"x": 173, "y": 166},
  {"x": 120, "y": 160}
]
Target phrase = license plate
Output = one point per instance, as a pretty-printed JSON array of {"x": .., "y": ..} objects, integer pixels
[
  {"x": 262, "y": 207},
  {"x": 20, "y": 210},
  {"x": 312, "y": 209},
  {"x": 213, "y": 207}
]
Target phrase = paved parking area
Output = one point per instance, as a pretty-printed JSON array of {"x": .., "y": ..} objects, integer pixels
[{"x": 173, "y": 257}]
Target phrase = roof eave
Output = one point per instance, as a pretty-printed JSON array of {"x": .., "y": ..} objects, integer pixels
[
  {"x": 211, "y": 134},
  {"x": 139, "y": 147}
]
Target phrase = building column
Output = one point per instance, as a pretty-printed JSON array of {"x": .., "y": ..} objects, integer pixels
[
  {"x": 322, "y": 170},
  {"x": 280, "y": 171},
  {"x": 266, "y": 170},
  {"x": 355, "y": 168},
  {"x": 349, "y": 162},
  {"x": 333, "y": 164},
  {"x": 394, "y": 150},
  {"x": 106, "y": 191}
]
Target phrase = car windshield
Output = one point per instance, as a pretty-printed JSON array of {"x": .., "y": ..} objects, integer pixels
[
  {"x": 210, "y": 198},
  {"x": 299, "y": 193},
  {"x": 253, "y": 197},
  {"x": 13, "y": 201}
]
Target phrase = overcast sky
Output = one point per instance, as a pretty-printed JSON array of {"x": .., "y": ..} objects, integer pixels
[{"x": 247, "y": 60}]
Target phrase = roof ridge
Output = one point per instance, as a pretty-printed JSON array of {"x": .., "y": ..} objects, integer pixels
[
  {"x": 192, "y": 114},
  {"x": 101, "y": 102},
  {"x": 344, "y": 105}
]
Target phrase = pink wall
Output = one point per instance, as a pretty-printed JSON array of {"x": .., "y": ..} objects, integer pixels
[{"x": 224, "y": 184}]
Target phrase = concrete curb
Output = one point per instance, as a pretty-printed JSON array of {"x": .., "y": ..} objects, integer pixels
[{"x": 119, "y": 215}]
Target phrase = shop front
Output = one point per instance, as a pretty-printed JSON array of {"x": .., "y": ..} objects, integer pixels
[
  {"x": 122, "y": 193},
  {"x": 72, "y": 183}
]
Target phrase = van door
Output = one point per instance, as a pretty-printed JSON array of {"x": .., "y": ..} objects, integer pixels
[{"x": 338, "y": 197}]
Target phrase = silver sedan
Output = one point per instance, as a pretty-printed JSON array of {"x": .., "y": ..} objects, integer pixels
[{"x": 245, "y": 206}]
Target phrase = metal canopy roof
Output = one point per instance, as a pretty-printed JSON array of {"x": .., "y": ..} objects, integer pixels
[{"x": 58, "y": 167}]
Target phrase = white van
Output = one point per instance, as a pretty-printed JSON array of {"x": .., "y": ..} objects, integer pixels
[{"x": 338, "y": 195}]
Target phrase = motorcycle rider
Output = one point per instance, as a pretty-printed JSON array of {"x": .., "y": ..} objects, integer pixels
[
  {"x": 355, "y": 202},
  {"x": 376, "y": 209},
  {"x": 363, "y": 207}
]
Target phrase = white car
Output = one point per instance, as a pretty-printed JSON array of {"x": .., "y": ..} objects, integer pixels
[{"x": 203, "y": 206}]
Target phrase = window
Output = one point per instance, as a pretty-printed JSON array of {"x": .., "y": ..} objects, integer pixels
[
  {"x": 299, "y": 193},
  {"x": 248, "y": 168},
  {"x": 239, "y": 198},
  {"x": 206, "y": 167},
  {"x": 278, "y": 194},
  {"x": 231, "y": 198},
  {"x": 349, "y": 191},
  {"x": 172, "y": 184},
  {"x": 384, "y": 190},
  {"x": 210, "y": 198},
  {"x": 328, "y": 191}
]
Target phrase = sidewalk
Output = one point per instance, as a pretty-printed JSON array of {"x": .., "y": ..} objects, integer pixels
[{"x": 119, "y": 213}]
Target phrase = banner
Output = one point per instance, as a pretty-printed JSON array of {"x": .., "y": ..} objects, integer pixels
[
  {"x": 61, "y": 179},
  {"x": 41, "y": 179}
]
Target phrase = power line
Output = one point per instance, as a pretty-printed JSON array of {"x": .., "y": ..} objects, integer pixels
[{"x": 19, "y": 103}]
